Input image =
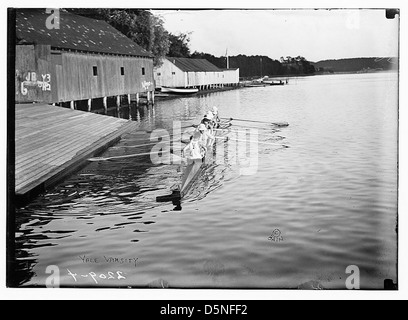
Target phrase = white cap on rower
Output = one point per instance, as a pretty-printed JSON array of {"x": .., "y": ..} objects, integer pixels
[
  {"x": 210, "y": 115},
  {"x": 215, "y": 110},
  {"x": 201, "y": 127}
]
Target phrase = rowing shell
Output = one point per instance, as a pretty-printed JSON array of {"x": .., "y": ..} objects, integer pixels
[
  {"x": 194, "y": 169},
  {"x": 191, "y": 172}
]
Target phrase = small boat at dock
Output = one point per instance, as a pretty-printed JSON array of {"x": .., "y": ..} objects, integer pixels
[
  {"x": 274, "y": 83},
  {"x": 254, "y": 85},
  {"x": 179, "y": 90}
]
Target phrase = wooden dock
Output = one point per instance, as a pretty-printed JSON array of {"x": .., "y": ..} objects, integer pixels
[{"x": 52, "y": 142}]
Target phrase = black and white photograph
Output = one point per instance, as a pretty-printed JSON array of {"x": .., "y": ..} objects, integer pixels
[{"x": 203, "y": 148}]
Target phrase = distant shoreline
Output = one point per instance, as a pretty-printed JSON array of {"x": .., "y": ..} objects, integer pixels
[{"x": 328, "y": 74}]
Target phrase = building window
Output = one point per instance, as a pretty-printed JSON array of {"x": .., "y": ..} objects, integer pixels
[
  {"x": 122, "y": 71},
  {"x": 143, "y": 71},
  {"x": 95, "y": 71},
  {"x": 158, "y": 74},
  {"x": 173, "y": 73}
]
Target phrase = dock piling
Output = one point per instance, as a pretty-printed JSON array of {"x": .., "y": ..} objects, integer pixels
[
  {"x": 105, "y": 103},
  {"x": 148, "y": 97}
]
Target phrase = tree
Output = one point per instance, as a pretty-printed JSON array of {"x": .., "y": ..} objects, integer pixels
[
  {"x": 141, "y": 26},
  {"x": 179, "y": 45}
]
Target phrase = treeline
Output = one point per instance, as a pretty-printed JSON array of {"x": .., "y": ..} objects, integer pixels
[
  {"x": 357, "y": 65},
  {"x": 258, "y": 66}
]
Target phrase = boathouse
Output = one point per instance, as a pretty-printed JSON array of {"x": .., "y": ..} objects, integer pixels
[
  {"x": 230, "y": 77},
  {"x": 191, "y": 73},
  {"x": 68, "y": 58}
]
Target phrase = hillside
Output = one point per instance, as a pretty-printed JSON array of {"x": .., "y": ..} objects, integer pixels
[{"x": 357, "y": 65}]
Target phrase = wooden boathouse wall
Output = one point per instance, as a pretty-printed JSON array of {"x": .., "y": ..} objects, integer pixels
[
  {"x": 34, "y": 74},
  {"x": 168, "y": 75},
  {"x": 53, "y": 76},
  {"x": 203, "y": 78},
  {"x": 82, "y": 59},
  {"x": 231, "y": 76}
]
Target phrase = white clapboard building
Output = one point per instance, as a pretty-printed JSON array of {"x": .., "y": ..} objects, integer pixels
[{"x": 193, "y": 73}]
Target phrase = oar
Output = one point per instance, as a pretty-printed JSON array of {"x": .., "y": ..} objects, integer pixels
[
  {"x": 234, "y": 131},
  {"x": 140, "y": 145},
  {"x": 253, "y": 127},
  {"x": 136, "y": 146},
  {"x": 120, "y": 157},
  {"x": 278, "y": 124},
  {"x": 253, "y": 141},
  {"x": 187, "y": 127},
  {"x": 127, "y": 156},
  {"x": 156, "y": 137}
]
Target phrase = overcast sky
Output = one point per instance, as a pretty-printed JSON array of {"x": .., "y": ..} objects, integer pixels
[{"x": 314, "y": 34}]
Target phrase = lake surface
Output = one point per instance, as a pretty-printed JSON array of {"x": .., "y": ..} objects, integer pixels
[{"x": 311, "y": 210}]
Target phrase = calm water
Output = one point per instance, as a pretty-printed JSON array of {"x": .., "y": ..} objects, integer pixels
[{"x": 332, "y": 195}]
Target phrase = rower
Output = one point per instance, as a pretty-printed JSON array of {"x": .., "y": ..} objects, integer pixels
[
  {"x": 209, "y": 120},
  {"x": 206, "y": 132},
  {"x": 217, "y": 119},
  {"x": 210, "y": 116},
  {"x": 195, "y": 150}
]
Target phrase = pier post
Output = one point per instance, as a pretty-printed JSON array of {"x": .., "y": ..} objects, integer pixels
[
  {"x": 118, "y": 102},
  {"x": 153, "y": 97},
  {"x": 129, "y": 99},
  {"x": 72, "y": 104},
  {"x": 148, "y": 97},
  {"x": 105, "y": 103},
  {"x": 137, "y": 99},
  {"x": 89, "y": 105}
]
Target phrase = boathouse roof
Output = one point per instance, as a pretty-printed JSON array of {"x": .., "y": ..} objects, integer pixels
[
  {"x": 194, "y": 65},
  {"x": 75, "y": 33}
]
